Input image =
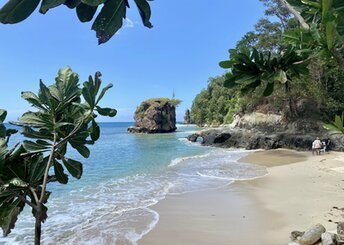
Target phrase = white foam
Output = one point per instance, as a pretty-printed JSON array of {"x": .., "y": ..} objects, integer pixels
[{"x": 180, "y": 160}]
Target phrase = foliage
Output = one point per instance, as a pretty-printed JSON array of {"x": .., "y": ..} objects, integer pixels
[
  {"x": 267, "y": 34},
  {"x": 325, "y": 36},
  {"x": 64, "y": 116},
  {"x": 108, "y": 21},
  {"x": 279, "y": 53},
  {"x": 250, "y": 70},
  {"x": 337, "y": 126},
  {"x": 155, "y": 102},
  {"x": 212, "y": 104},
  {"x": 162, "y": 101}
]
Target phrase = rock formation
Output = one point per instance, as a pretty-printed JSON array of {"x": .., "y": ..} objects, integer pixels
[
  {"x": 155, "y": 116},
  {"x": 262, "y": 131}
]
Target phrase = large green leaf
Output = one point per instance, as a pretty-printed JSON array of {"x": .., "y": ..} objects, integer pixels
[
  {"x": 32, "y": 119},
  {"x": 145, "y": 12},
  {"x": 226, "y": 64},
  {"x": 269, "y": 89},
  {"x": 83, "y": 150},
  {"x": 109, "y": 20},
  {"x": 59, "y": 173},
  {"x": 9, "y": 214},
  {"x": 48, "y": 4},
  {"x": 88, "y": 92},
  {"x": 330, "y": 34},
  {"x": 36, "y": 146},
  {"x": 73, "y": 167},
  {"x": 41, "y": 134},
  {"x": 102, "y": 93},
  {"x": 44, "y": 94},
  {"x": 2, "y": 131},
  {"x": 93, "y": 2},
  {"x": 32, "y": 99},
  {"x": 85, "y": 12},
  {"x": 109, "y": 112},
  {"x": 246, "y": 79},
  {"x": 11, "y": 131},
  {"x": 15, "y": 11},
  {"x": 95, "y": 131},
  {"x": 72, "y": 3},
  {"x": 3, "y": 115},
  {"x": 338, "y": 122},
  {"x": 326, "y": 5},
  {"x": 37, "y": 167},
  {"x": 67, "y": 83}
]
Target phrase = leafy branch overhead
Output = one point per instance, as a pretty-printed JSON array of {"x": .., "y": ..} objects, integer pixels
[
  {"x": 64, "y": 115},
  {"x": 108, "y": 21},
  {"x": 250, "y": 70}
]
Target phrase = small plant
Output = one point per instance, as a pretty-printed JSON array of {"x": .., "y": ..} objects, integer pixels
[
  {"x": 64, "y": 117},
  {"x": 338, "y": 124}
]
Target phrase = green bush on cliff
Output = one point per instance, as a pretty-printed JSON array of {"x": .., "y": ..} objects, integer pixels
[
  {"x": 154, "y": 102},
  {"x": 212, "y": 104}
]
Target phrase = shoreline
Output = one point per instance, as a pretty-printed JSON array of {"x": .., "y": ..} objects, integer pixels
[{"x": 299, "y": 191}]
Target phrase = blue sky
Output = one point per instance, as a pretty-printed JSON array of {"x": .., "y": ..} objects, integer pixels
[{"x": 178, "y": 54}]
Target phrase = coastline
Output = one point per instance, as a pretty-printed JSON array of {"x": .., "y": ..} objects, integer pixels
[{"x": 299, "y": 191}]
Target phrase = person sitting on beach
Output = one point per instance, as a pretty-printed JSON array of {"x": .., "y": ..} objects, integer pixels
[{"x": 317, "y": 145}]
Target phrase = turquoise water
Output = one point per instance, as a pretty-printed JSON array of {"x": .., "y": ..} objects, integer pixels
[{"x": 125, "y": 175}]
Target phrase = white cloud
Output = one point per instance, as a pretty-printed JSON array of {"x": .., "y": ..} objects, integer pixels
[{"x": 128, "y": 23}]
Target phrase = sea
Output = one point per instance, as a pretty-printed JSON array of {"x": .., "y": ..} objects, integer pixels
[{"x": 123, "y": 178}]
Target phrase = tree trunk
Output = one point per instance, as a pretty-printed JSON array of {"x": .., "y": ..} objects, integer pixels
[{"x": 38, "y": 225}]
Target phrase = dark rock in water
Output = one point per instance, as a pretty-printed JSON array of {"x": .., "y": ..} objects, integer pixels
[
  {"x": 193, "y": 137},
  {"x": 222, "y": 138},
  {"x": 155, "y": 116},
  {"x": 312, "y": 235}
]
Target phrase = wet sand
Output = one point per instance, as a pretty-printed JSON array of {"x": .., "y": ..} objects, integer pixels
[{"x": 300, "y": 190}]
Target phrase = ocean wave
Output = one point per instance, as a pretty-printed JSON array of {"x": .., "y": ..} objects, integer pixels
[
  {"x": 180, "y": 160},
  {"x": 117, "y": 210}
]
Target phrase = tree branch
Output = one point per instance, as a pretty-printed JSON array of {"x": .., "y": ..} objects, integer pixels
[
  {"x": 46, "y": 173},
  {"x": 296, "y": 14}
]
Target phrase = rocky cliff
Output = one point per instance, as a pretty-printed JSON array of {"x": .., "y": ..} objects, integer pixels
[
  {"x": 263, "y": 131},
  {"x": 155, "y": 116}
]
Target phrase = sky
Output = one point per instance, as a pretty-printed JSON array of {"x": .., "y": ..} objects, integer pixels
[{"x": 178, "y": 55}]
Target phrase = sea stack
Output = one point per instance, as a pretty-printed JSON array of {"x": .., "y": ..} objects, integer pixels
[{"x": 157, "y": 115}]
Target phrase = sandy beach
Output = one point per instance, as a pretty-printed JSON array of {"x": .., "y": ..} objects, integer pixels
[{"x": 300, "y": 190}]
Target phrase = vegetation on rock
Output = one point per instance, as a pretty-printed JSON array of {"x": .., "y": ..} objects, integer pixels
[{"x": 155, "y": 115}]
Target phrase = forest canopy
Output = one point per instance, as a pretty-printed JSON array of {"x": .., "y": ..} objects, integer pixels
[{"x": 293, "y": 55}]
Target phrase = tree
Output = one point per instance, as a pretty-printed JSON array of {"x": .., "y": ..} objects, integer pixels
[
  {"x": 267, "y": 34},
  {"x": 212, "y": 104},
  {"x": 108, "y": 21},
  {"x": 64, "y": 117},
  {"x": 321, "y": 36},
  {"x": 322, "y": 22},
  {"x": 254, "y": 69}
]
